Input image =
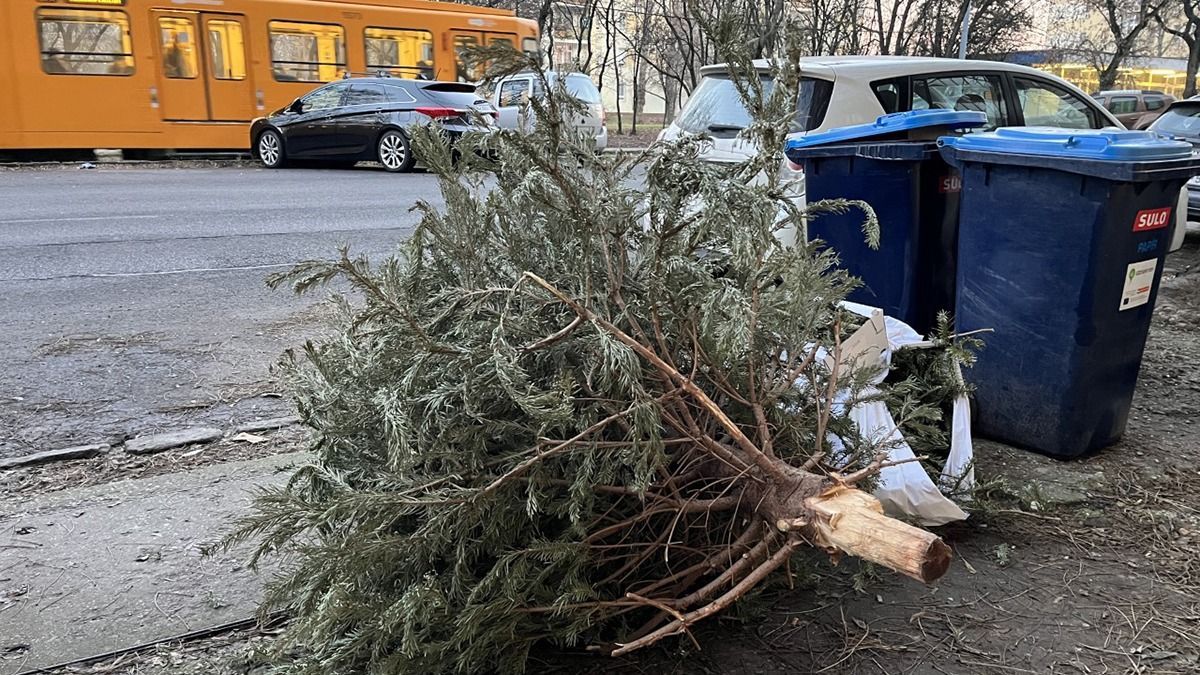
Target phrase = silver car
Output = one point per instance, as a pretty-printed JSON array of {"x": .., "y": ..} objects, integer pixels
[{"x": 511, "y": 96}]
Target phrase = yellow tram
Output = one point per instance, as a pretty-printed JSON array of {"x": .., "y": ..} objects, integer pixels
[{"x": 190, "y": 74}]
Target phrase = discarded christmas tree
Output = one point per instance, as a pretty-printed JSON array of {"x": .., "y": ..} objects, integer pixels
[{"x": 589, "y": 404}]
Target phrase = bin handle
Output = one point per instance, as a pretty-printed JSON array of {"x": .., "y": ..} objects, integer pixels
[
  {"x": 886, "y": 120},
  {"x": 1086, "y": 142}
]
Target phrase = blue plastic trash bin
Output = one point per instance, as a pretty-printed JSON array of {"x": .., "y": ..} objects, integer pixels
[
  {"x": 913, "y": 192},
  {"x": 1061, "y": 242}
]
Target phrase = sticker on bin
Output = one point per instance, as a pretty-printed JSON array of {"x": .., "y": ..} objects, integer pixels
[
  {"x": 1139, "y": 278},
  {"x": 1152, "y": 219}
]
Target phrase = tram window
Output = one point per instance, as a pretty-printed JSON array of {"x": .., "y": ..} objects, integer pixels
[
  {"x": 85, "y": 42},
  {"x": 228, "y": 49},
  {"x": 307, "y": 52},
  {"x": 464, "y": 72},
  {"x": 530, "y": 46},
  {"x": 406, "y": 53},
  {"x": 178, "y": 39}
]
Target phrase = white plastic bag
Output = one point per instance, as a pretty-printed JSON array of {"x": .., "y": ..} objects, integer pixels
[{"x": 905, "y": 488}]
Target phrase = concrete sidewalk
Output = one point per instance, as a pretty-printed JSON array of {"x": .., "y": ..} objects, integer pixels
[{"x": 95, "y": 569}]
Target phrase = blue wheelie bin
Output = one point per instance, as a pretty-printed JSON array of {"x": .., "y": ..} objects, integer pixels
[
  {"x": 1061, "y": 243},
  {"x": 915, "y": 195}
]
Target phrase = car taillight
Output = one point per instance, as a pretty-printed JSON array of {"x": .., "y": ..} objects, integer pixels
[{"x": 437, "y": 113}]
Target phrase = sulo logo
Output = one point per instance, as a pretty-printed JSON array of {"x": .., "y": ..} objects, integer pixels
[
  {"x": 950, "y": 184},
  {"x": 1152, "y": 219}
]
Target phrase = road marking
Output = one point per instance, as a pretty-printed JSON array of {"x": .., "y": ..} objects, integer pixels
[
  {"x": 159, "y": 273},
  {"x": 200, "y": 237},
  {"x": 78, "y": 218}
]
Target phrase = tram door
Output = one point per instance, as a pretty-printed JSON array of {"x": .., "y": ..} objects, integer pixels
[
  {"x": 230, "y": 89},
  {"x": 202, "y": 74}
]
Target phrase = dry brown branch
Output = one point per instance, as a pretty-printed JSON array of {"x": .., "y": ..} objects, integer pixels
[
  {"x": 753, "y": 453},
  {"x": 556, "y": 337},
  {"x": 777, "y": 559}
]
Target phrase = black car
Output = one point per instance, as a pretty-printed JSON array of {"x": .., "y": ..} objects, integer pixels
[
  {"x": 1182, "y": 120},
  {"x": 366, "y": 118}
]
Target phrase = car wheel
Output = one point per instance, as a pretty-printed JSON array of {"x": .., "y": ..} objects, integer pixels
[
  {"x": 395, "y": 153},
  {"x": 270, "y": 149}
]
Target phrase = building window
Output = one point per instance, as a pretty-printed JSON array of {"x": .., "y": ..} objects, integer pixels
[
  {"x": 406, "y": 53},
  {"x": 228, "y": 49},
  {"x": 85, "y": 42},
  {"x": 307, "y": 52}
]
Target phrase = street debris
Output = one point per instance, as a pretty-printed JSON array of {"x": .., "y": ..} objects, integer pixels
[
  {"x": 267, "y": 424},
  {"x": 582, "y": 410},
  {"x": 246, "y": 437},
  {"x": 63, "y": 454},
  {"x": 145, "y": 445}
]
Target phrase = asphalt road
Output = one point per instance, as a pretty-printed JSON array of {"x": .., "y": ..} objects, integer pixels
[{"x": 133, "y": 299}]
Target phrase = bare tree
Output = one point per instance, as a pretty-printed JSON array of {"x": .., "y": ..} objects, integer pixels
[
  {"x": 891, "y": 24},
  {"x": 1184, "y": 23},
  {"x": 1125, "y": 20},
  {"x": 934, "y": 27},
  {"x": 833, "y": 26}
]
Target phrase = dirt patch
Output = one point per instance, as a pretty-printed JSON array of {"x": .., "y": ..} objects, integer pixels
[{"x": 642, "y": 139}]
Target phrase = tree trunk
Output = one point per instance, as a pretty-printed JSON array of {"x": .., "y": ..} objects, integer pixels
[
  {"x": 853, "y": 521},
  {"x": 842, "y": 519},
  {"x": 1193, "y": 64},
  {"x": 670, "y": 95}
]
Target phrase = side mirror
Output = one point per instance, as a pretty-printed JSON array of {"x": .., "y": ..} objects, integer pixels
[{"x": 297, "y": 106}]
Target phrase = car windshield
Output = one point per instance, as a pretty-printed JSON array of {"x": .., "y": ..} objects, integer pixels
[
  {"x": 581, "y": 87},
  {"x": 715, "y": 107},
  {"x": 1182, "y": 120}
]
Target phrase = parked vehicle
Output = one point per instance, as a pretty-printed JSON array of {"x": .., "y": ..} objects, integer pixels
[
  {"x": 1136, "y": 109},
  {"x": 366, "y": 118},
  {"x": 192, "y": 74},
  {"x": 511, "y": 95},
  {"x": 1182, "y": 120},
  {"x": 837, "y": 91}
]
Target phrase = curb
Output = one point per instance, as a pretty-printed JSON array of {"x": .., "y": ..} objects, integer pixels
[{"x": 148, "y": 444}]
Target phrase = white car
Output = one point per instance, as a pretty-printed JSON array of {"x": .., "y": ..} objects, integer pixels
[
  {"x": 837, "y": 91},
  {"x": 511, "y": 95}
]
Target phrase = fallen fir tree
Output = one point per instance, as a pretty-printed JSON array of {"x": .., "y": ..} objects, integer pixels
[{"x": 588, "y": 403}]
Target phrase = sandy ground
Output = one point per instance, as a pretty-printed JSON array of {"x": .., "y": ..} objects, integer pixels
[{"x": 87, "y": 570}]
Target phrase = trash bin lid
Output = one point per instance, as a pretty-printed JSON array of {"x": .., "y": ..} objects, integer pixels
[
  {"x": 892, "y": 124},
  {"x": 1116, "y": 145}
]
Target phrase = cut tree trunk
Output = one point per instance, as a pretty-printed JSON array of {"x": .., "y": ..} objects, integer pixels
[
  {"x": 852, "y": 521},
  {"x": 841, "y": 519}
]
